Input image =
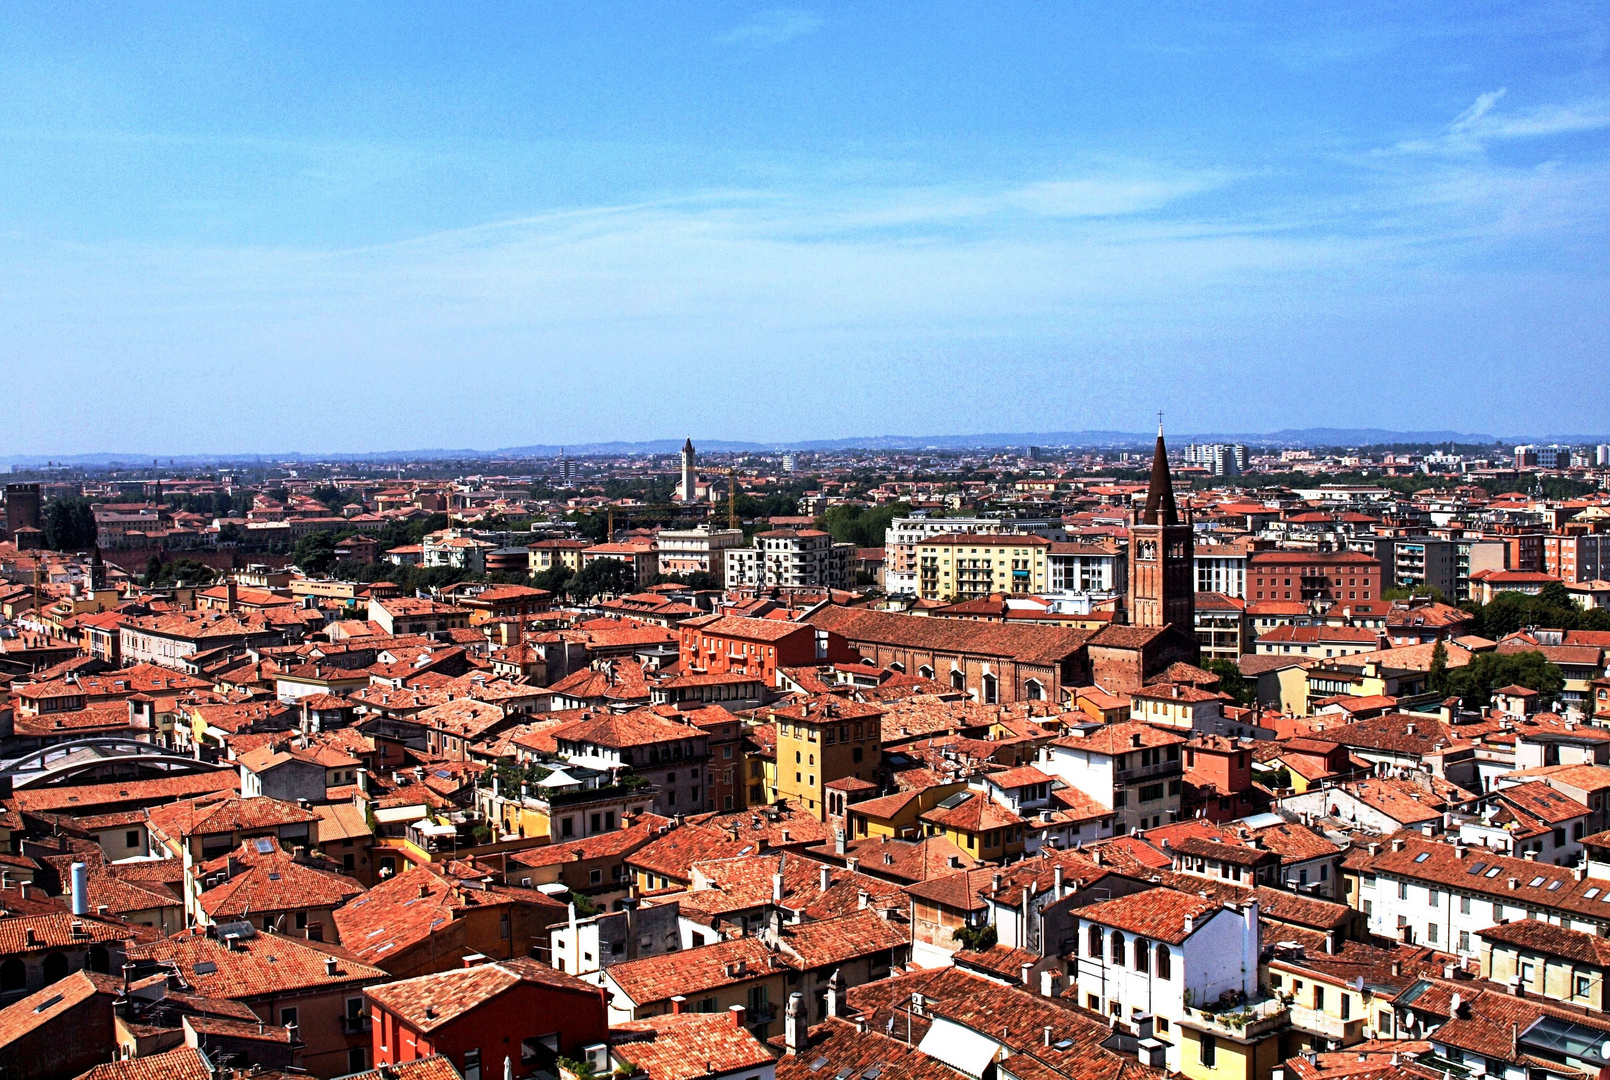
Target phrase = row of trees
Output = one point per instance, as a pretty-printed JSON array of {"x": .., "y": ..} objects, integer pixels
[
  {"x": 1553, "y": 608},
  {"x": 1475, "y": 682}
]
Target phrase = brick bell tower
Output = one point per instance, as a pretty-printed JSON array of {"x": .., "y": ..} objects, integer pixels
[{"x": 1162, "y": 586}]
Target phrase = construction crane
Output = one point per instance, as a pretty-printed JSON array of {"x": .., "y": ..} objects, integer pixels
[{"x": 732, "y": 498}]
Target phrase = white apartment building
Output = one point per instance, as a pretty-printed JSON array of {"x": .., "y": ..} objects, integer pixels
[
  {"x": 797, "y": 558},
  {"x": 1221, "y": 568},
  {"x": 904, "y": 534},
  {"x": 1132, "y": 769},
  {"x": 692, "y": 551},
  {"x": 1444, "y": 895},
  {"x": 1154, "y": 954},
  {"x": 1086, "y": 572}
]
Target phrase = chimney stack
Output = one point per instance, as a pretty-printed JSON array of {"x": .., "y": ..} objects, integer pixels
[{"x": 794, "y": 1024}]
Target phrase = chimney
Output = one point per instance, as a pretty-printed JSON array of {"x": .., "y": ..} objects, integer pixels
[
  {"x": 1046, "y": 1035},
  {"x": 677, "y": 1002},
  {"x": 777, "y": 888},
  {"x": 826, "y": 878},
  {"x": 80, "y": 872},
  {"x": 1056, "y": 882},
  {"x": 1026, "y": 970},
  {"x": 230, "y": 595},
  {"x": 862, "y": 899},
  {"x": 329, "y": 965},
  {"x": 1050, "y": 984},
  {"x": 424, "y": 891},
  {"x": 838, "y": 841},
  {"x": 1397, "y": 843},
  {"x": 794, "y": 1023},
  {"x": 835, "y": 994},
  {"x": 737, "y": 1012}
]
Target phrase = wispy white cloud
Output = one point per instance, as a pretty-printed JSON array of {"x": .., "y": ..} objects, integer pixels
[
  {"x": 1484, "y": 122},
  {"x": 1483, "y": 105},
  {"x": 773, "y": 27}
]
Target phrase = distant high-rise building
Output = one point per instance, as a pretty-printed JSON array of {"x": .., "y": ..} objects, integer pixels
[
  {"x": 788, "y": 463},
  {"x": 1601, "y": 455},
  {"x": 1223, "y": 459}
]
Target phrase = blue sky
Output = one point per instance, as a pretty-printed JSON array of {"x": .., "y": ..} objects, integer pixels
[{"x": 357, "y": 227}]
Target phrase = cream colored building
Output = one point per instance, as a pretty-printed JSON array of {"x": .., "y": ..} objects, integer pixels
[{"x": 963, "y": 566}]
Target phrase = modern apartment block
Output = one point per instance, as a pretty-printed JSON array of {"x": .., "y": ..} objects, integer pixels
[
  {"x": 791, "y": 558},
  {"x": 695, "y": 551},
  {"x": 904, "y": 534}
]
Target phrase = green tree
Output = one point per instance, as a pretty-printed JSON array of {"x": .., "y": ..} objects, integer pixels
[
  {"x": 554, "y": 579},
  {"x": 1437, "y": 676},
  {"x": 1555, "y": 595},
  {"x": 1400, "y": 592},
  {"x": 1475, "y": 682},
  {"x": 860, "y": 525},
  {"x": 69, "y": 525},
  {"x": 601, "y": 576},
  {"x": 315, "y": 552},
  {"x": 1232, "y": 682}
]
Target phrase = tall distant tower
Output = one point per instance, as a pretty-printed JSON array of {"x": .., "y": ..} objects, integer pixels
[
  {"x": 1162, "y": 589},
  {"x": 687, "y": 472}
]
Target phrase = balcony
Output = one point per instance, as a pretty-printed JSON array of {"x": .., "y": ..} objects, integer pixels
[
  {"x": 1161, "y": 770},
  {"x": 1245, "y": 1022},
  {"x": 1319, "y": 1022}
]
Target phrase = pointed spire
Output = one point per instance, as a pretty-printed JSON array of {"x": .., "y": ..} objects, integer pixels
[{"x": 1160, "y": 506}]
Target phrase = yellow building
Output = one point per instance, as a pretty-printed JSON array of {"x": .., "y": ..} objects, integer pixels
[
  {"x": 1214, "y": 1050},
  {"x": 898, "y": 816},
  {"x": 967, "y": 566},
  {"x": 1568, "y": 966},
  {"x": 822, "y": 739},
  {"x": 977, "y": 824},
  {"x": 759, "y": 764},
  {"x": 546, "y": 554}
]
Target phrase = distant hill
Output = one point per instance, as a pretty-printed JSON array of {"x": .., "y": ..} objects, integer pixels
[{"x": 1309, "y": 438}]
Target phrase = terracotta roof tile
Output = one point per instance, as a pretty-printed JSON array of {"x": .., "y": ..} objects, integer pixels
[
  {"x": 688, "y": 1046},
  {"x": 429, "y": 1001}
]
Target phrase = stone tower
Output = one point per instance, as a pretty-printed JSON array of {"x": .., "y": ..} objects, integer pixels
[
  {"x": 1162, "y": 586},
  {"x": 688, "y": 480}
]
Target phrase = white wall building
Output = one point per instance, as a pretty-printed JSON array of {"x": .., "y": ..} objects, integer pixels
[{"x": 1158, "y": 952}]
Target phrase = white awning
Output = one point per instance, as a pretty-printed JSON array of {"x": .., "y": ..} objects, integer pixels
[
  {"x": 960, "y": 1047},
  {"x": 389, "y": 815}
]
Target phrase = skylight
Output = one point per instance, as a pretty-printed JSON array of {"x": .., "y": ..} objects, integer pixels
[
  {"x": 1553, "y": 885},
  {"x": 1476, "y": 869},
  {"x": 1423, "y": 856},
  {"x": 265, "y": 846},
  {"x": 1590, "y": 894},
  {"x": 1494, "y": 872},
  {"x": 1535, "y": 882}
]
